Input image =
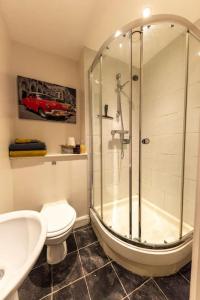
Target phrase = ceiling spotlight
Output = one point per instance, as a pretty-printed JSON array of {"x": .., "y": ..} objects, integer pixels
[
  {"x": 146, "y": 12},
  {"x": 117, "y": 33},
  {"x": 120, "y": 45}
]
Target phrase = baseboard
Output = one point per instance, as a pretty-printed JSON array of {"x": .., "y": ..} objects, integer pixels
[{"x": 81, "y": 221}]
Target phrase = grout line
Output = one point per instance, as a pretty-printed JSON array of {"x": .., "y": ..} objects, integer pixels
[
  {"x": 119, "y": 279},
  {"x": 89, "y": 245},
  {"x": 82, "y": 277},
  {"x": 160, "y": 289},
  {"x": 137, "y": 288},
  {"x": 87, "y": 288},
  {"x": 184, "y": 277},
  {"x": 71, "y": 252},
  {"x": 67, "y": 254},
  {"x": 126, "y": 297},
  {"x": 82, "y": 269},
  {"x": 97, "y": 269},
  {"x": 34, "y": 268},
  {"x": 53, "y": 292},
  {"x": 72, "y": 282},
  {"x": 47, "y": 295},
  {"x": 79, "y": 228}
]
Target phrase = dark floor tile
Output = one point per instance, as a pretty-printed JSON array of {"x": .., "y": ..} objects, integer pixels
[
  {"x": 71, "y": 243},
  {"x": 37, "y": 284},
  {"x": 186, "y": 271},
  {"x": 148, "y": 291},
  {"x": 42, "y": 258},
  {"x": 75, "y": 291},
  {"x": 103, "y": 284},
  {"x": 93, "y": 257},
  {"x": 175, "y": 287},
  {"x": 82, "y": 227},
  {"x": 67, "y": 271},
  {"x": 85, "y": 237},
  {"x": 129, "y": 280}
]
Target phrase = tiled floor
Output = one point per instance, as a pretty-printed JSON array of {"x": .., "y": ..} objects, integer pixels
[{"x": 88, "y": 274}]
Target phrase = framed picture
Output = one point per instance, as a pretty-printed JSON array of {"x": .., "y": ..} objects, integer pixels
[{"x": 44, "y": 101}]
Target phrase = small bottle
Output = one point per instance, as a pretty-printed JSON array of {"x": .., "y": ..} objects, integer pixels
[
  {"x": 82, "y": 148},
  {"x": 77, "y": 149}
]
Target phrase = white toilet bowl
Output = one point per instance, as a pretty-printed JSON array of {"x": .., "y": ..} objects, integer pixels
[{"x": 60, "y": 217}]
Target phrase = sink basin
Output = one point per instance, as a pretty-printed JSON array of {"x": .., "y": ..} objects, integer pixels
[{"x": 22, "y": 236}]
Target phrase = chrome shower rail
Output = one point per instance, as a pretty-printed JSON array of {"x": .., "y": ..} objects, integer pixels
[{"x": 154, "y": 19}]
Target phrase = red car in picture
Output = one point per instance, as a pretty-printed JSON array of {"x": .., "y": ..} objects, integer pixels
[{"x": 47, "y": 106}]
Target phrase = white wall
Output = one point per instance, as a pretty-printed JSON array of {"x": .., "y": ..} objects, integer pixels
[
  {"x": 37, "y": 183},
  {"x": 162, "y": 123},
  {"x": 6, "y": 96}
]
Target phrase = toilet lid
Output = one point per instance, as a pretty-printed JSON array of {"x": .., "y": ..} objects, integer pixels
[{"x": 58, "y": 216}]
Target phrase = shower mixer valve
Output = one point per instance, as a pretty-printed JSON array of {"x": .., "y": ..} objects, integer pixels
[{"x": 121, "y": 135}]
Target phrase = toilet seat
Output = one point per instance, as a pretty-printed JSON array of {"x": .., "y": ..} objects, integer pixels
[{"x": 60, "y": 217}]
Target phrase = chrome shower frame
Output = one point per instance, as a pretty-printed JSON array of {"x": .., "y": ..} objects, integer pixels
[{"x": 139, "y": 23}]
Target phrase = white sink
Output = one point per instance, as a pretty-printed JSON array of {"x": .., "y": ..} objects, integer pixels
[{"x": 22, "y": 236}]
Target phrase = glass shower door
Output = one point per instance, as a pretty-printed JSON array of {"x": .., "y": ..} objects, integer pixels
[
  {"x": 162, "y": 132},
  {"x": 95, "y": 91}
]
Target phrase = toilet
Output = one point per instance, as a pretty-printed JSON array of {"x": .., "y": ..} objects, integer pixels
[{"x": 60, "y": 218}]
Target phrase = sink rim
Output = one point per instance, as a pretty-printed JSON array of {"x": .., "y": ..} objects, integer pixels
[{"x": 15, "y": 281}]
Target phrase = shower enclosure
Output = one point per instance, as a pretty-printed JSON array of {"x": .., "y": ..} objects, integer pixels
[{"x": 145, "y": 101}]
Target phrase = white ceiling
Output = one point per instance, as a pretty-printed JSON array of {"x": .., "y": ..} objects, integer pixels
[
  {"x": 64, "y": 27},
  {"x": 56, "y": 26}
]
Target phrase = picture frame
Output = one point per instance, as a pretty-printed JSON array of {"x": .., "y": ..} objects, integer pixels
[{"x": 43, "y": 101}]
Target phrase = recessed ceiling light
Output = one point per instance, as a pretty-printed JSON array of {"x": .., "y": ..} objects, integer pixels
[
  {"x": 146, "y": 12},
  {"x": 117, "y": 33},
  {"x": 120, "y": 45},
  {"x": 198, "y": 53}
]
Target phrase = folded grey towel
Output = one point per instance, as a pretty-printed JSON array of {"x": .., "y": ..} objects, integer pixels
[{"x": 27, "y": 146}]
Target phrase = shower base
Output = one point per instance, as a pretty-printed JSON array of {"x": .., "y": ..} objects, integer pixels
[{"x": 158, "y": 227}]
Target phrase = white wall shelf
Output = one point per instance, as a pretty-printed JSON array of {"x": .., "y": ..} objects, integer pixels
[{"x": 49, "y": 158}]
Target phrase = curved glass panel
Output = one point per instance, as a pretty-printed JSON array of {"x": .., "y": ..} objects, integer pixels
[
  {"x": 115, "y": 133},
  {"x": 162, "y": 131},
  {"x": 95, "y": 92},
  {"x": 192, "y": 134}
]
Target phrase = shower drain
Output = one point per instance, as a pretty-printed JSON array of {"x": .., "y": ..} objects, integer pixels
[{"x": 1, "y": 274}]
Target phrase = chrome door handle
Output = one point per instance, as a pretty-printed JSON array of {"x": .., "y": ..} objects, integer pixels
[{"x": 145, "y": 141}]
